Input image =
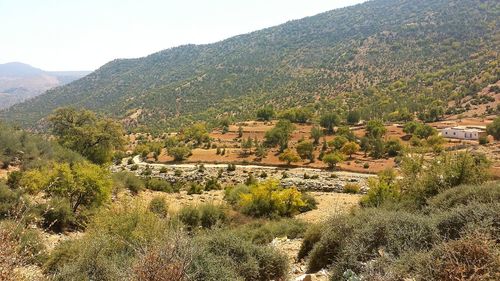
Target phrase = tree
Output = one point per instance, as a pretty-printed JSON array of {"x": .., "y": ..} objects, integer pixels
[
  {"x": 424, "y": 131},
  {"x": 494, "y": 128},
  {"x": 265, "y": 114},
  {"x": 329, "y": 121},
  {"x": 83, "y": 132},
  {"x": 338, "y": 142},
  {"x": 305, "y": 150},
  {"x": 410, "y": 127},
  {"x": 297, "y": 115},
  {"x": 365, "y": 145},
  {"x": 353, "y": 117},
  {"x": 280, "y": 134},
  {"x": 197, "y": 132},
  {"x": 289, "y": 156},
  {"x": 247, "y": 145},
  {"x": 179, "y": 152},
  {"x": 316, "y": 134},
  {"x": 350, "y": 148},
  {"x": 240, "y": 131},
  {"x": 377, "y": 148},
  {"x": 393, "y": 147},
  {"x": 83, "y": 184},
  {"x": 333, "y": 158},
  {"x": 375, "y": 129}
]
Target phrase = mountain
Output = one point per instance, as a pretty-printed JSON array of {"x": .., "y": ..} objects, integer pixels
[
  {"x": 382, "y": 57},
  {"x": 19, "y": 81}
]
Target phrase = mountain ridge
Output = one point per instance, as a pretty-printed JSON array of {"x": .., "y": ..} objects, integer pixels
[{"x": 340, "y": 59}]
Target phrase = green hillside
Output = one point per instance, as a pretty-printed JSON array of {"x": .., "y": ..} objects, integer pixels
[{"x": 380, "y": 57}]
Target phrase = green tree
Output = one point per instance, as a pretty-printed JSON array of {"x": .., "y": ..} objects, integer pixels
[
  {"x": 289, "y": 156},
  {"x": 424, "y": 131},
  {"x": 197, "y": 132},
  {"x": 280, "y": 134},
  {"x": 350, "y": 148},
  {"x": 83, "y": 184},
  {"x": 247, "y": 145},
  {"x": 329, "y": 121},
  {"x": 305, "y": 150},
  {"x": 316, "y": 134},
  {"x": 179, "y": 152},
  {"x": 266, "y": 113},
  {"x": 353, "y": 117},
  {"x": 393, "y": 147},
  {"x": 494, "y": 128},
  {"x": 333, "y": 158},
  {"x": 81, "y": 130},
  {"x": 375, "y": 129},
  {"x": 338, "y": 142}
]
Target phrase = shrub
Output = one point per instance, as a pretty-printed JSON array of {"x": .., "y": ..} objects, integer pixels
[
  {"x": 211, "y": 215},
  {"x": 158, "y": 206},
  {"x": 159, "y": 185},
  {"x": 212, "y": 184},
  {"x": 10, "y": 201},
  {"x": 231, "y": 167},
  {"x": 309, "y": 201},
  {"x": 166, "y": 261},
  {"x": 483, "y": 140},
  {"x": 465, "y": 194},
  {"x": 178, "y": 173},
  {"x": 129, "y": 181},
  {"x": 453, "y": 223},
  {"x": 195, "y": 188},
  {"x": 134, "y": 167},
  {"x": 269, "y": 199},
  {"x": 350, "y": 240},
  {"x": 351, "y": 188},
  {"x": 248, "y": 261},
  {"x": 58, "y": 215},
  {"x": 190, "y": 216},
  {"x": 366, "y": 165},
  {"x": 232, "y": 193},
  {"x": 311, "y": 237},
  {"x": 163, "y": 170},
  {"x": 474, "y": 257}
]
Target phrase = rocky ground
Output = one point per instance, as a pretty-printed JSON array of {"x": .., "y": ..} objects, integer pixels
[{"x": 303, "y": 178}]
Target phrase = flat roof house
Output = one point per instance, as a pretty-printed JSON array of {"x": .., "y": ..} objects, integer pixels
[{"x": 464, "y": 132}]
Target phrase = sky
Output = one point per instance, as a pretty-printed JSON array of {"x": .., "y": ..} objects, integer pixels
[{"x": 85, "y": 34}]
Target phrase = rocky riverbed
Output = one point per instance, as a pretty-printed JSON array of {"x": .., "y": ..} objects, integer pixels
[{"x": 303, "y": 178}]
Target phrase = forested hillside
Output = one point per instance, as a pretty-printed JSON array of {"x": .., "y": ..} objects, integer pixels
[{"x": 381, "y": 57}]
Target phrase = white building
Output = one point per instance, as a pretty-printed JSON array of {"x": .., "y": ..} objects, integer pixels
[{"x": 464, "y": 132}]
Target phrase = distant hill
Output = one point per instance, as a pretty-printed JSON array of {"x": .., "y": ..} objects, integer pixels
[
  {"x": 381, "y": 57},
  {"x": 19, "y": 81}
]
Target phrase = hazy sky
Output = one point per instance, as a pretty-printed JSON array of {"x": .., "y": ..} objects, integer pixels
[{"x": 85, "y": 34}]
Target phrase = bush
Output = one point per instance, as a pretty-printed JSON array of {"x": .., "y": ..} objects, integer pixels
[
  {"x": 163, "y": 170},
  {"x": 231, "y": 167},
  {"x": 195, "y": 188},
  {"x": 351, "y": 188},
  {"x": 453, "y": 223},
  {"x": 310, "y": 202},
  {"x": 58, "y": 215},
  {"x": 232, "y": 194},
  {"x": 159, "y": 185},
  {"x": 211, "y": 215},
  {"x": 269, "y": 199},
  {"x": 464, "y": 195},
  {"x": 134, "y": 167},
  {"x": 351, "y": 240},
  {"x": 311, "y": 237},
  {"x": 190, "y": 216},
  {"x": 10, "y": 201},
  {"x": 158, "y": 206},
  {"x": 166, "y": 261},
  {"x": 474, "y": 257},
  {"x": 248, "y": 261},
  {"x": 212, "y": 184},
  {"x": 263, "y": 232},
  {"x": 129, "y": 181}
]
